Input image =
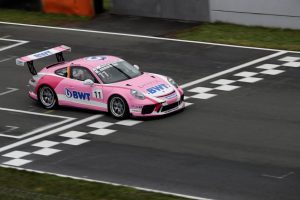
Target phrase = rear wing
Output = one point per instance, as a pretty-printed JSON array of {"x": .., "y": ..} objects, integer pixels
[{"x": 58, "y": 51}]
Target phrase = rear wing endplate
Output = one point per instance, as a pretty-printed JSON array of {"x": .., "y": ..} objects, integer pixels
[{"x": 58, "y": 51}]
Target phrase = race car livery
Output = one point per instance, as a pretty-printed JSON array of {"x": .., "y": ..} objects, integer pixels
[{"x": 104, "y": 83}]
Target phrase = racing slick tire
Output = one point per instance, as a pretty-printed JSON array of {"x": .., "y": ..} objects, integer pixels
[
  {"x": 47, "y": 97},
  {"x": 118, "y": 107}
]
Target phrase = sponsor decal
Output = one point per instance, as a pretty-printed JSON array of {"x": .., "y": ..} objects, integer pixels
[
  {"x": 98, "y": 94},
  {"x": 43, "y": 54},
  {"x": 136, "y": 108},
  {"x": 171, "y": 96},
  {"x": 92, "y": 58},
  {"x": 157, "y": 88},
  {"x": 77, "y": 95}
]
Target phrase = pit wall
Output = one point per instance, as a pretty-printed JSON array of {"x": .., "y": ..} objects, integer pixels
[{"x": 268, "y": 13}]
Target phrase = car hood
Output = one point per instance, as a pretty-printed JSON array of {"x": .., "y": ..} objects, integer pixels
[{"x": 150, "y": 84}]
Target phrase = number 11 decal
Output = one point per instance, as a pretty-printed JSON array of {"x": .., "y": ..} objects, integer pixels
[{"x": 98, "y": 94}]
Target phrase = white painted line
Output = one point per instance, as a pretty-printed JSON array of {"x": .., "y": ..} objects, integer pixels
[
  {"x": 6, "y": 36},
  {"x": 18, "y": 43},
  {"x": 250, "y": 79},
  {"x": 223, "y": 82},
  {"x": 68, "y": 126},
  {"x": 246, "y": 74},
  {"x": 290, "y": 59},
  {"x": 45, "y": 144},
  {"x": 100, "y": 124},
  {"x": 109, "y": 183},
  {"x": 7, "y": 59},
  {"x": 278, "y": 177},
  {"x": 102, "y": 132},
  {"x": 268, "y": 66},
  {"x": 16, "y": 154},
  {"x": 46, "y": 151},
  {"x": 34, "y": 113},
  {"x": 41, "y": 129},
  {"x": 10, "y": 90},
  {"x": 233, "y": 69},
  {"x": 203, "y": 96},
  {"x": 186, "y": 97},
  {"x": 272, "y": 72},
  {"x": 186, "y": 104},
  {"x": 73, "y": 134},
  {"x": 200, "y": 89},
  {"x": 292, "y": 64},
  {"x": 140, "y": 36},
  {"x": 67, "y": 119},
  {"x": 128, "y": 122},
  {"x": 17, "y": 162},
  {"x": 75, "y": 141},
  {"x": 227, "y": 88}
]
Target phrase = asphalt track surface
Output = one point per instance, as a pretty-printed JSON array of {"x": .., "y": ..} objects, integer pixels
[{"x": 238, "y": 139}]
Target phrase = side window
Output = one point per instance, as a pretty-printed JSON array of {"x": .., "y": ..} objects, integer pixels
[
  {"x": 81, "y": 74},
  {"x": 62, "y": 72}
]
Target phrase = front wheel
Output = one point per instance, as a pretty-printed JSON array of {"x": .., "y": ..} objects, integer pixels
[
  {"x": 118, "y": 107},
  {"x": 47, "y": 97}
]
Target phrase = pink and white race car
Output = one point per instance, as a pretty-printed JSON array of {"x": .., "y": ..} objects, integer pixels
[{"x": 104, "y": 83}]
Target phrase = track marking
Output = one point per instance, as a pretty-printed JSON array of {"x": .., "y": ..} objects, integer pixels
[
  {"x": 6, "y": 36},
  {"x": 7, "y": 59},
  {"x": 10, "y": 90},
  {"x": 43, "y": 128},
  {"x": 140, "y": 36},
  {"x": 232, "y": 69},
  {"x": 278, "y": 177},
  {"x": 49, "y": 133},
  {"x": 35, "y": 113},
  {"x": 18, "y": 43}
]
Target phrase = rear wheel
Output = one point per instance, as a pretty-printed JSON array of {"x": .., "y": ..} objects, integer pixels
[
  {"x": 47, "y": 97},
  {"x": 118, "y": 107}
]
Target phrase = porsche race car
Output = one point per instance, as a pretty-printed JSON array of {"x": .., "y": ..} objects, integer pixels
[{"x": 104, "y": 83}]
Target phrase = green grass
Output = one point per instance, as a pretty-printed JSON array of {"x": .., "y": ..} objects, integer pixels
[
  {"x": 22, "y": 185},
  {"x": 244, "y": 35},
  {"x": 106, "y": 4},
  {"x": 28, "y": 17}
]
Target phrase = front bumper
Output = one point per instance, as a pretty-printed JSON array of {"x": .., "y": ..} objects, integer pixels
[{"x": 159, "y": 108}]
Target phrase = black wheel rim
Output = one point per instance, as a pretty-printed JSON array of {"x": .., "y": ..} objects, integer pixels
[
  {"x": 117, "y": 107},
  {"x": 47, "y": 97}
]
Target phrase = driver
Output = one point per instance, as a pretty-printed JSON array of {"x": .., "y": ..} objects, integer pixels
[{"x": 78, "y": 74}]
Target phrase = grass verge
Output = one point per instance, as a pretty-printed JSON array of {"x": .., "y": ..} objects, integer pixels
[
  {"x": 29, "y": 17},
  {"x": 243, "y": 35},
  {"x": 22, "y": 185},
  {"x": 106, "y": 4}
]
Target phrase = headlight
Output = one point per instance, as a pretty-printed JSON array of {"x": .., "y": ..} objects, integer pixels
[
  {"x": 172, "y": 82},
  {"x": 137, "y": 94}
]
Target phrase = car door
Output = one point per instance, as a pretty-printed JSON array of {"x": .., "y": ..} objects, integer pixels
[{"x": 81, "y": 89}]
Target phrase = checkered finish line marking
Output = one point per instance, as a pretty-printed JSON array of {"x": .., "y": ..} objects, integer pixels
[
  {"x": 72, "y": 138},
  {"x": 47, "y": 147},
  {"x": 227, "y": 85}
]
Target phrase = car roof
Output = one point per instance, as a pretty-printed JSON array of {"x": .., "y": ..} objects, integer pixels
[
  {"x": 94, "y": 61},
  {"x": 89, "y": 62}
]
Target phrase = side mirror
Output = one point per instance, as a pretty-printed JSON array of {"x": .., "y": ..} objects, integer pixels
[
  {"x": 137, "y": 67},
  {"x": 88, "y": 82}
]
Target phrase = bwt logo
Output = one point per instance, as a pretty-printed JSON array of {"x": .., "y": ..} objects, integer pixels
[
  {"x": 157, "y": 88},
  {"x": 77, "y": 95},
  {"x": 43, "y": 54}
]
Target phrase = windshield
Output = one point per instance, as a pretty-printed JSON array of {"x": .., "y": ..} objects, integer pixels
[{"x": 116, "y": 72}]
